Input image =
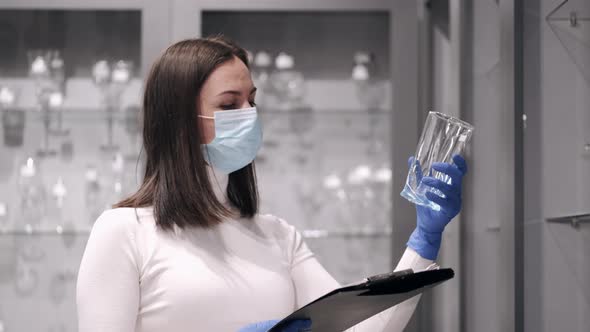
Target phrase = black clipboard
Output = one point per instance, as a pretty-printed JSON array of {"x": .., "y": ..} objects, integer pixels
[{"x": 347, "y": 306}]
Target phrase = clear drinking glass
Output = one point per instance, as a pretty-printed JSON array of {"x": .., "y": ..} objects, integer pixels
[{"x": 443, "y": 137}]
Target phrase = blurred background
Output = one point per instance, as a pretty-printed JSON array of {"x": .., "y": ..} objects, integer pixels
[{"x": 343, "y": 89}]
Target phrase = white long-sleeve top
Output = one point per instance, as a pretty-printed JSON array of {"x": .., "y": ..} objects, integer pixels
[{"x": 136, "y": 277}]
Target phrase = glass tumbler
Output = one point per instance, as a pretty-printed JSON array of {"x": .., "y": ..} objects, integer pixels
[{"x": 443, "y": 137}]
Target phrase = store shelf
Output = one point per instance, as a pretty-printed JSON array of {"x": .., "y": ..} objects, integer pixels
[
  {"x": 42, "y": 232},
  {"x": 100, "y": 112},
  {"x": 306, "y": 233},
  {"x": 354, "y": 233},
  {"x": 573, "y": 220}
]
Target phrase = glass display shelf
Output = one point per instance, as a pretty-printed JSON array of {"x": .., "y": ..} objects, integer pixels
[
  {"x": 92, "y": 113},
  {"x": 324, "y": 165},
  {"x": 71, "y": 114},
  {"x": 77, "y": 38},
  {"x": 59, "y": 230},
  {"x": 333, "y": 163}
]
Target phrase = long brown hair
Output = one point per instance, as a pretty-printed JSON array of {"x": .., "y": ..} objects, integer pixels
[{"x": 176, "y": 181}]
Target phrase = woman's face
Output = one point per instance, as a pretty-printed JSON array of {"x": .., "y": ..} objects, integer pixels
[{"x": 228, "y": 87}]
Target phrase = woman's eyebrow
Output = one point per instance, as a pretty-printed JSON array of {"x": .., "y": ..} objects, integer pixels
[{"x": 236, "y": 92}]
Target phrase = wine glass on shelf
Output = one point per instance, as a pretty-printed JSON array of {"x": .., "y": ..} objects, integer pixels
[
  {"x": 111, "y": 79},
  {"x": 32, "y": 194},
  {"x": 4, "y": 217},
  {"x": 13, "y": 119},
  {"x": 261, "y": 67},
  {"x": 57, "y": 75},
  {"x": 40, "y": 72},
  {"x": 94, "y": 194},
  {"x": 371, "y": 93},
  {"x": 133, "y": 129}
]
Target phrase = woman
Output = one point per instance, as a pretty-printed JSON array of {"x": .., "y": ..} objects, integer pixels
[{"x": 189, "y": 251}]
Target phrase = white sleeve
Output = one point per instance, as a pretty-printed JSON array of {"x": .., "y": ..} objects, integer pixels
[
  {"x": 107, "y": 292},
  {"x": 311, "y": 281},
  {"x": 395, "y": 319}
]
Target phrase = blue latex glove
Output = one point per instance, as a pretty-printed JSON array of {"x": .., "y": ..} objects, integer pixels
[
  {"x": 295, "y": 326},
  {"x": 427, "y": 236}
]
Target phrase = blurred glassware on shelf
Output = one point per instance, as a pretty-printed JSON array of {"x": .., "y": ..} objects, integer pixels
[
  {"x": 66, "y": 151},
  {"x": 288, "y": 84},
  {"x": 13, "y": 118},
  {"x": 363, "y": 193},
  {"x": 3, "y": 215},
  {"x": 371, "y": 92},
  {"x": 111, "y": 186},
  {"x": 8, "y": 97},
  {"x": 27, "y": 279},
  {"x": 332, "y": 182},
  {"x": 250, "y": 57},
  {"x": 45, "y": 87},
  {"x": 383, "y": 175},
  {"x": 59, "y": 284},
  {"x": 359, "y": 195},
  {"x": 41, "y": 66},
  {"x": 111, "y": 80},
  {"x": 122, "y": 72},
  {"x": 55, "y": 211},
  {"x": 381, "y": 202},
  {"x": 101, "y": 73},
  {"x": 59, "y": 192},
  {"x": 301, "y": 122},
  {"x": 57, "y": 288},
  {"x": 38, "y": 63},
  {"x": 93, "y": 196},
  {"x": 33, "y": 198},
  {"x": 8, "y": 165},
  {"x": 359, "y": 175},
  {"x": 56, "y": 99},
  {"x": 8, "y": 257},
  {"x": 261, "y": 67},
  {"x": 67, "y": 231},
  {"x": 30, "y": 250},
  {"x": 308, "y": 199},
  {"x": 117, "y": 180},
  {"x": 44, "y": 95},
  {"x": 57, "y": 67},
  {"x": 133, "y": 128}
]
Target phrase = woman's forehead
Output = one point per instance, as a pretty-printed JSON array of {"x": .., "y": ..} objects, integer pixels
[{"x": 230, "y": 75}]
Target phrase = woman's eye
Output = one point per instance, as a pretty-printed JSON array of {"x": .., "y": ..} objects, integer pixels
[{"x": 228, "y": 107}]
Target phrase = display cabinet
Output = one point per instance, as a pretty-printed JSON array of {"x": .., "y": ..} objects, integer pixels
[
  {"x": 70, "y": 86},
  {"x": 70, "y": 90}
]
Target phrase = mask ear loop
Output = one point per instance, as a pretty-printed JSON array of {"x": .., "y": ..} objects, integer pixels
[
  {"x": 224, "y": 192},
  {"x": 215, "y": 174}
]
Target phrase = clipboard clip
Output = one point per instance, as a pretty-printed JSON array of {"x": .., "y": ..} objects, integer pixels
[{"x": 382, "y": 278}]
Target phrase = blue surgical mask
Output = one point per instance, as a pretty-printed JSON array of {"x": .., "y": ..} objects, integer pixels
[{"x": 238, "y": 137}]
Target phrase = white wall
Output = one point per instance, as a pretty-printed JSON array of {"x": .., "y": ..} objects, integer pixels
[
  {"x": 482, "y": 217},
  {"x": 558, "y": 110}
]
